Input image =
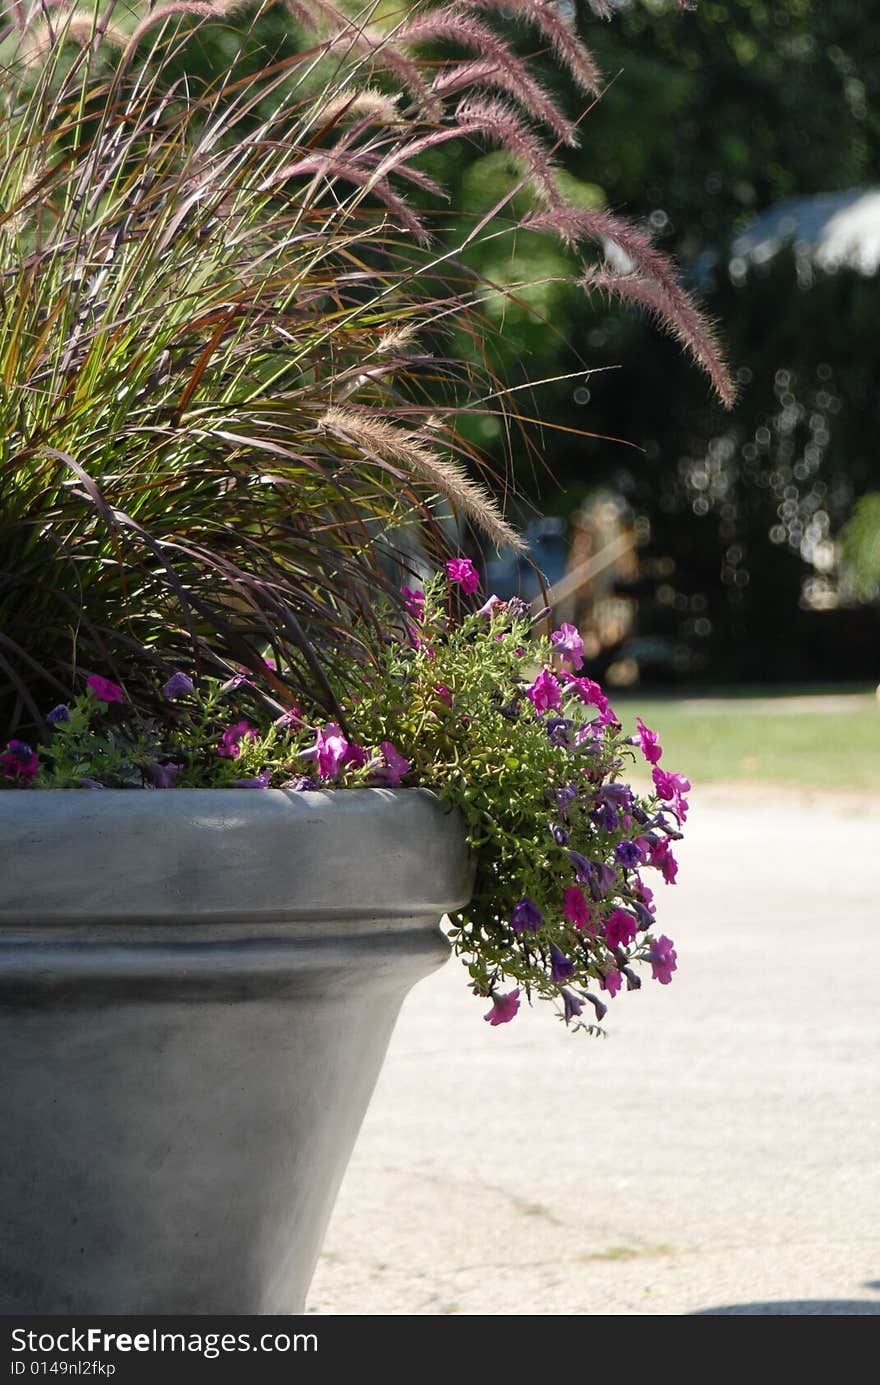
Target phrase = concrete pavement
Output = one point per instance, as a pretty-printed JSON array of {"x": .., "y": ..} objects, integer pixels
[{"x": 718, "y": 1153}]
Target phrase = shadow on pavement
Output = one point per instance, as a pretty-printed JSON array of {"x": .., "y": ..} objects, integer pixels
[{"x": 814, "y": 1308}]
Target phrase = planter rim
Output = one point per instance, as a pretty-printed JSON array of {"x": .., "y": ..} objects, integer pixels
[{"x": 192, "y": 856}]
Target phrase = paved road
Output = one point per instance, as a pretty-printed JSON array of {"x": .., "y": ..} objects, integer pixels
[{"x": 718, "y": 1153}]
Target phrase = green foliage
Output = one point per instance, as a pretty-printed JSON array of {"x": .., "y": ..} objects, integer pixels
[{"x": 860, "y": 542}]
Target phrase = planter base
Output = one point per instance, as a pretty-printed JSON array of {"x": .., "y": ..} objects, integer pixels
[{"x": 181, "y": 1098}]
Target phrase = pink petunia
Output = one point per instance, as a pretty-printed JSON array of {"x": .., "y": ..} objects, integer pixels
[
  {"x": 230, "y": 747},
  {"x": 620, "y": 928},
  {"x": 575, "y": 908},
  {"x": 663, "y": 859},
  {"x": 504, "y": 1007},
  {"x": 104, "y": 690},
  {"x": 488, "y": 607},
  {"x": 19, "y": 761},
  {"x": 328, "y": 752},
  {"x": 414, "y": 602},
  {"x": 396, "y": 765},
  {"x": 663, "y": 959},
  {"x": 649, "y": 742},
  {"x": 592, "y": 695},
  {"x": 611, "y": 981},
  {"x": 544, "y": 693},
  {"x": 672, "y": 789},
  {"x": 462, "y": 571}
]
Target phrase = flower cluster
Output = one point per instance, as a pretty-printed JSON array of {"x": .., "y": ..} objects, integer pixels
[{"x": 495, "y": 718}]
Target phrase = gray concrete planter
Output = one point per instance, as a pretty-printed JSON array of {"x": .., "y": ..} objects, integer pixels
[{"x": 197, "y": 988}]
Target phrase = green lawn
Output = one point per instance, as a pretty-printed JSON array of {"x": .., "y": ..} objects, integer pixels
[{"x": 814, "y": 741}]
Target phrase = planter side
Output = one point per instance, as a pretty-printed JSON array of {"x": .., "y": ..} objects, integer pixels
[{"x": 197, "y": 989}]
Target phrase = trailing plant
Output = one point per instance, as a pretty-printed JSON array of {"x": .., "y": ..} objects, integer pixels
[{"x": 471, "y": 703}]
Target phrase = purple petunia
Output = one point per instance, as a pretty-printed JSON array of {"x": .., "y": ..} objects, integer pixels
[
  {"x": 526, "y": 916},
  {"x": 178, "y": 685},
  {"x": 567, "y": 641},
  {"x": 572, "y": 1004},
  {"x": 629, "y": 854},
  {"x": 565, "y": 796},
  {"x": 162, "y": 776},
  {"x": 257, "y": 781},
  {"x": 58, "y": 714},
  {"x": 558, "y": 730},
  {"x": 583, "y": 869},
  {"x": 561, "y": 967}
]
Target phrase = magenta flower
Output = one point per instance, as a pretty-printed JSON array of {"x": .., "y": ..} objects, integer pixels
[
  {"x": 162, "y": 776},
  {"x": 588, "y": 692},
  {"x": 663, "y": 959},
  {"x": 328, "y": 752},
  {"x": 672, "y": 788},
  {"x": 462, "y": 571},
  {"x": 395, "y": 767},
  {"x": 544, "y": 693},
  {"x": 178, "y": 685},
  {"x": 575, "y": 908},
  {"x": 104, "y": 690},
  {"x": 644, "y": 893},
  {"x": 650, "y": 742},
  {"x": 567, "y": 641},
  {"x": 444, "y": 694},
  {"x": 572, "y": 1004},
  {"x": 19, "y": 761},
  {"x": 526, "y": 915},
  {"x": 488, "y": 607},
  {"x": 414, "y": 602},
  {"x": 620, "y": 928},
  {"x": 561, "y": 967},
  {"x": 229, "y": 746},
  {"x": 611, "y": 981},
  {"x": 663, "y": 859},
  {"x": 355, "y": 756},
  {"x": 504, "y": 1007}
]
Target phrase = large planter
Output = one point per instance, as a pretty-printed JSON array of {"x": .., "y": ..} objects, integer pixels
[{"x": 197, "y": 988}]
